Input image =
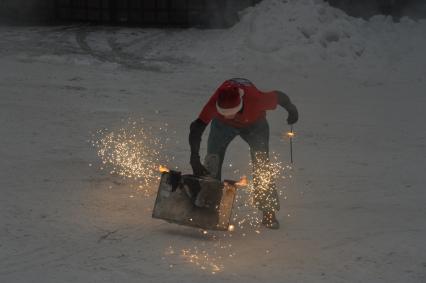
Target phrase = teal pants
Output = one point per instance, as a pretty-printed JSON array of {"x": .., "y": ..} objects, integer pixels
[{"x": 265, "y": 196}]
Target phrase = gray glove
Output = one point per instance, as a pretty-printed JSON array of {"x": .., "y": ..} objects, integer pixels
[
  {"x": 293, "y": 115},
  {"x": 197, "y": 167},
  {"x": 285, "y": 102}
]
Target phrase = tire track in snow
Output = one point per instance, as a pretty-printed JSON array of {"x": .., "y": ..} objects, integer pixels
[{"x": 131, "y": 61}]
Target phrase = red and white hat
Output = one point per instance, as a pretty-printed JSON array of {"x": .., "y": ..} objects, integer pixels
[{"x": 230, "y": 101}]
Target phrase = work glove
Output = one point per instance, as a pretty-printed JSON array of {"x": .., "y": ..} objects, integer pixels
[
  {"x": 197, "y": 167},
  {"x": 293, "y": 115}
]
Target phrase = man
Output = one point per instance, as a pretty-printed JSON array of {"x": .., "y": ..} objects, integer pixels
[{"x": 239, "y": 108}]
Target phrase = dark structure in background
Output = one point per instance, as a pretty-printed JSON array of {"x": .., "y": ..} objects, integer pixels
[
  {"x": 415, "y": 9},
  {"x": 216, "y": 13},
  {"x": 26, "y": 11},
  {"x": 182, "y": 13},
  {"x": 175, "y": 13}
]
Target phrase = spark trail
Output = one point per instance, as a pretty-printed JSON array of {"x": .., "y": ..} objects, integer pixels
[{"x": 133, "y": 152}]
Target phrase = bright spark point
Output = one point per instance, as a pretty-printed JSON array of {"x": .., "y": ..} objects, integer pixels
[
  {"x": 243, "y": 182},
  {"x": 291, "y": 134},
  {"x": 163, "y": 169},
  {"x": 231, "y": 228}
]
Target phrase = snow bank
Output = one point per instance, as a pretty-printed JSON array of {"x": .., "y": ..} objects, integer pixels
[{"x": 311, "y": 32}]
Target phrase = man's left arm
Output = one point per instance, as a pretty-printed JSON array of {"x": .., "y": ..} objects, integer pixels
[{"x": 284, "y": 101}]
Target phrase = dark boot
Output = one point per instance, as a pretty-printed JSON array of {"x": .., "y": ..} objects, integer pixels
[{"x": 269, "y": 220}]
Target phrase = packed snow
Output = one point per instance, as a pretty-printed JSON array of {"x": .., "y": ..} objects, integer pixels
[{"x": 353, "y": 203}]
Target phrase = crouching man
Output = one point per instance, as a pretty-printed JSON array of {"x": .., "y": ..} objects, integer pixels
[{"x": 238, "y": 108}]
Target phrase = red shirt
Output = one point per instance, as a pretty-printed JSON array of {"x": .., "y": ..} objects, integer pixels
[{"x": 255, "y": 104}]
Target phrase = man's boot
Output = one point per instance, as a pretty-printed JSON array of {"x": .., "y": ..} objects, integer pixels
[{"x": 269, "y": 220}]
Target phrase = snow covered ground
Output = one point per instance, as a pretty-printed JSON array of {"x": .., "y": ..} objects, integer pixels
[{"x": 355, "y": 207}]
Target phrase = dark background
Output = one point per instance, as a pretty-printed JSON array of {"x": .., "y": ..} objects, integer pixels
[
  {"x": 207, "y": 13},
  {"x": 396, "y": 8}
]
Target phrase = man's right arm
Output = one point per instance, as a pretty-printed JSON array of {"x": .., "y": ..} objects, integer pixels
[{"x": 196, "y": 130}]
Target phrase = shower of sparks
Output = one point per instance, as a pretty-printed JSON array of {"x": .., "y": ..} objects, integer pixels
[
  {"x": 131, "y": 152},
  {"x": 208, "y": 258},
  {"x": 203, "y": 259},
  {"x": 217, "y": 251},
  {"x": 134, "y": 152},
  {"x": 259, "y": 193}
]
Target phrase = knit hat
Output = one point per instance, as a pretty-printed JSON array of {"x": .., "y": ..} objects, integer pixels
[{"x": 230, "y": 101}]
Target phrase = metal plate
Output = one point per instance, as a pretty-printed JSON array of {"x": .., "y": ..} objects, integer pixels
[{"x": 199, "y": 202}]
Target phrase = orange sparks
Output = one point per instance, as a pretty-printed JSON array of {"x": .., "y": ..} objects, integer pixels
[
  {"x": 163, "y": 169},
  {"x": 243, "y": 182}
]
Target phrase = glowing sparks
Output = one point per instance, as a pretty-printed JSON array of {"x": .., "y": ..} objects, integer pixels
[
  {"x": 163, "y": 169},
  {"x": 291, "y": 134},
  {"x": 202, "y": 259},
  {"x": 212, "y": 257},
  {"x": 131, "y": 152},
  {"x": 134, "y": 152},
  {"x": 261, "y": 192},
  {"x": 243, "y": 182}
]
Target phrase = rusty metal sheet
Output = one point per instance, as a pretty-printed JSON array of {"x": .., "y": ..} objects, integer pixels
[{"x": 192, "y": 201}]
